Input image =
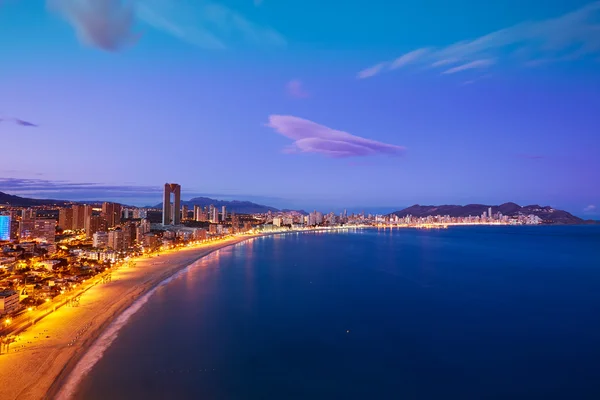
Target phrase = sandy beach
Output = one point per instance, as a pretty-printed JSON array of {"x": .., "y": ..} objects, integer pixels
[{"x": 44, "y": 355}]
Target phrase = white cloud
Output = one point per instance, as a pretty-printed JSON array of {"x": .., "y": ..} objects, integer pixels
[
  {"x": 590, "y": 208},
  {"x": 408, "y": 58},
  {"x": 569, "y": 37},
  {"x": 471, "y": 65},
  {"x": 372, "y": 71}
]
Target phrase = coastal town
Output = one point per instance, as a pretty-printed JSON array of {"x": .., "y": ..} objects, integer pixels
[{"x": 50, "y": 253}]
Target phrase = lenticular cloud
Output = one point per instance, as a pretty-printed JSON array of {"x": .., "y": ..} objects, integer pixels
[{"x": 310, "y": 137}]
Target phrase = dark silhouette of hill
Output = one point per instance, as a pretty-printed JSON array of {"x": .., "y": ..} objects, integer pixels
[
  {"x": 18, "y": 201},
  {"x": 240, "y": 207}
]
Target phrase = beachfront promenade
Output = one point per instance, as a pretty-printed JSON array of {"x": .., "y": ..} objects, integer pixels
[{"x": 46, "y": 351}]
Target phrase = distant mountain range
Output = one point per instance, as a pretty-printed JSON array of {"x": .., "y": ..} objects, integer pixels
[
  {"x": 548, "y": 214},
  {"x": 17, "y": 201},
  {"x": 240, "y": 207}
]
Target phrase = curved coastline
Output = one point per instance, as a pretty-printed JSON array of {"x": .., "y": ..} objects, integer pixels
[
  {"x": 85, "y": 357},
  {"x": 65, "y": 384}
]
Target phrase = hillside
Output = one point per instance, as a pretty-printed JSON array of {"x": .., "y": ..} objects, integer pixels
[
  {"x": 17, "y": 201},
  {"x": 240, "y": 207},
  {"x": 546, "y": 213}
]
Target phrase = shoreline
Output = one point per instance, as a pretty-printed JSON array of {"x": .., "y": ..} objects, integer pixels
[
  {"x": 56, "y": 389},
  {"x": 42, "y": 369}
]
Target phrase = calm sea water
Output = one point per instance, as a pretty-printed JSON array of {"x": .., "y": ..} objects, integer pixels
[{"x": 463, "y": 313}]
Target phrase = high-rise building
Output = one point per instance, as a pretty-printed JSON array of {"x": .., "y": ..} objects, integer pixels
[
  {"x": 112, "y": 213},
  {"x": 115, "y": 240},
  {"x": 80, "y": 215},
  {"x": 95, "y": 223},
  {"x": 214, "y": 214},
  {"x": 490, "y": 212},
  {"x": 100, "y": 240},
  {"x": 170, "y": 218},
  {"x": 45, "y": 230},
  {"x": 65, "y": 219},
  {"x": 184, "y": 212},
  {"x": 26, "y": 229},
  {"x": 223, "y": 213},
  {"x": 4, "y": 228},
  {"x": 28, "y": 213},
  {"x": 129, "y": 234}
]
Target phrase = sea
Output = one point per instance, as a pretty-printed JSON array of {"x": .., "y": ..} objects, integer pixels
[{"x": 473, "y": 312}]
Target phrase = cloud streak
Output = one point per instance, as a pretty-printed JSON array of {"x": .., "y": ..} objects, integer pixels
[
  {"x": 569, "y": 37},
  {"x": 470, "y": 65},
  {"x": 295, "y": 89},
  {"x": 207, "y": 24},
  {"x": 108, "y": 24},
  {"x": 104, "y": 24},
  {"x": 311, "y": 137},
  {"x": 18, "y": 121},
  {"x": 590, "y": 208}
]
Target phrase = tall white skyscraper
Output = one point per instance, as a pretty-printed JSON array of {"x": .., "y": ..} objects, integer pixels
[{"x": 223, "y": 213}]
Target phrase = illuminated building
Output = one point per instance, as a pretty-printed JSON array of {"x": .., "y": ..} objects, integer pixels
[
  {"x": 65, "y": 218},
  {"x": 115, "y": 240},
  {"x": 95, "y": 223},
  {"x": 168, "y": 217},
  {"x": 184, "y": 212},
  {"x": 80, "y": 214},
  {"x": 223, "y": 213},
  {"x": 100, "y": 240},
  {"x": 9, "y": 301},
  {"x": 45, "y": 230},
  {"x": 26, "y": 228},
  {"x": 213, "y": 214},
  {"x": 4, "y": 227},
  {"x": 112, "y": 213}
]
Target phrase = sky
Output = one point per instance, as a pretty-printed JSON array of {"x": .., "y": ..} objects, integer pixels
[{"x": 303, "y": 104}]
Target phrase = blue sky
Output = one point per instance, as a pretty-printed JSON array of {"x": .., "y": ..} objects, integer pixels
[{"x": 303, "y": 104}]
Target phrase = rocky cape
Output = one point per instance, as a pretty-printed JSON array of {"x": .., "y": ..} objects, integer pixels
[{"x": 548, "y": 214}]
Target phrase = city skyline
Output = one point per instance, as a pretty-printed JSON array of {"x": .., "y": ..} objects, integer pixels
[{"x": 397, "y": 111}]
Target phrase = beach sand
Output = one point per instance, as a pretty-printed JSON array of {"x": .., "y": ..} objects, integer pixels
[{"x": 40, "y": 361}]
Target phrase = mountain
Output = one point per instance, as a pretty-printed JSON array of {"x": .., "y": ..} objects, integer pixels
[
  {"x": 240, "y": 207},
  {"x": 17, "y": 201},
  {"x": 548, "y": 214}
]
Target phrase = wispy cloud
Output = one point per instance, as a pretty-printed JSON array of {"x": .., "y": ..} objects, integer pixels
[
  {"x": 105, "y": 24},
  {"x": 590, "y": 208},
  {"x": 470, "y": 65},
  {"x": 207, "y": 24},
  {"x": 108, "y": 24},
  {"x": 310, "y": 137},
  {"x": 58, "y": 187},
  {"x": 408, "y": 58},
  {"x": 294, "y": 88},
  {"x": 569, "y": 37},
  {"x": 18, "y": 121},
  {"x": 372, "y": 71}
]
